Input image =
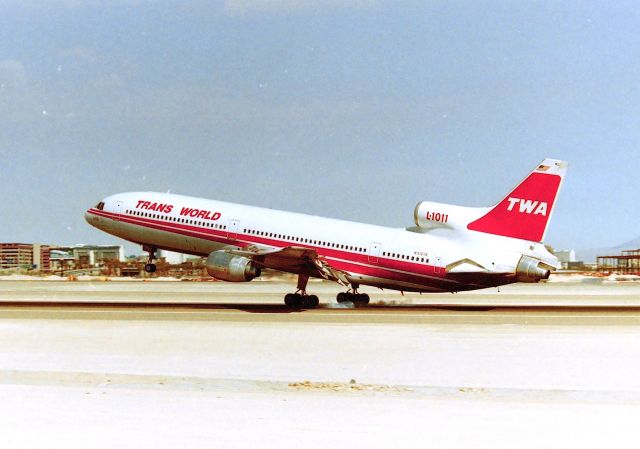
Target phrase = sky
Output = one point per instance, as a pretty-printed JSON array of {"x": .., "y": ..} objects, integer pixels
[{"x": 353, "y": 109}]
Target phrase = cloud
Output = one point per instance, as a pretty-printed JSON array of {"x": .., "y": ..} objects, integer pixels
[{"x": 240, "y": 7}]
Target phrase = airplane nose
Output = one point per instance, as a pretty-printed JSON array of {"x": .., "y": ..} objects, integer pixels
[{"x": 92, "y": 218}]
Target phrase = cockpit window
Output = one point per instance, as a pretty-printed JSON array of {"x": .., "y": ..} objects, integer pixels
[{"x": 100, "y": 206}]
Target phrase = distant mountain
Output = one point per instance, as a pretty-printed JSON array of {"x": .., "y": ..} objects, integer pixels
[{"x": 590, "y": 255}]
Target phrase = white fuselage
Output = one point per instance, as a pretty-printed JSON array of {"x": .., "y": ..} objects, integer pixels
[{"x": 396, "y": 258}]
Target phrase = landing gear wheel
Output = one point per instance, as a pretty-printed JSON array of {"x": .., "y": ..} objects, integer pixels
[
  {"x": 299, "y": 300},
  {"x": 311, "y": 301},
  {"x": 150, "y": 267},
  {"x": 356, "y": 298},
  {"x": 300, "y": 297},
  {"x": 291, "y": 300}
]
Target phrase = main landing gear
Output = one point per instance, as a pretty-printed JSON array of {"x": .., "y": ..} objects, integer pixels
[
  {"x": 354, "y": 297},
  {"x": 150, "y": 267},
  {"x": 300, "y": 297}
]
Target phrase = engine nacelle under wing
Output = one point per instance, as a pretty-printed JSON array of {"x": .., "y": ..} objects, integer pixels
[{"x": 227, "y": 267}]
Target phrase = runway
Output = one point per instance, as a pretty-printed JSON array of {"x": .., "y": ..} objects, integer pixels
[
  {"x": 243, "y": 313},
  {"x": 182, "y": 364}
]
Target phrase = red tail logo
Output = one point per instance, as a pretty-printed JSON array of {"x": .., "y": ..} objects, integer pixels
[
  {"x": 525, "y": 212},
  {"x": 528, "y": 206}
]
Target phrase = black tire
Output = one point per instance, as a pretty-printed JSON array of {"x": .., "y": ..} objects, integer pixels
[
  {"x": 314, "y": 301},
  {"x": 342, "y": 297},
  {"x": 150, "y": 268},
  {"x": 290, "y": 299},
  {"x": 364, "y": 299}
]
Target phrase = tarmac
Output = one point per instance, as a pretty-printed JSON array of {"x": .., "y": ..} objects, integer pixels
[{"x": 218, "y": 365}]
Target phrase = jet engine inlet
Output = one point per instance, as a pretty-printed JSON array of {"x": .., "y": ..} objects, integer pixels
[
  {"x": 227, "y": 267},
  {"x": 531, "y": 270}
]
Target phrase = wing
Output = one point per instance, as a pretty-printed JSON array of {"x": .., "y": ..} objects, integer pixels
[{"x": 293, "y": 259}]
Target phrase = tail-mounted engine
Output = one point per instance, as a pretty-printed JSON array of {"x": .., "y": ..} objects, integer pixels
[
  {"x": 532, "y": 270},
  {"x": 227, "y": 267},
  {"x": 429, "y": 215}
]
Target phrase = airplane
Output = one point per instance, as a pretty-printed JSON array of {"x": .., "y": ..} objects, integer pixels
[{"x": 448, "y": 249}]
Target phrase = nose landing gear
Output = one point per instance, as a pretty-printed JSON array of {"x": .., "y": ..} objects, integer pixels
[{"x": 150, "y": 267}]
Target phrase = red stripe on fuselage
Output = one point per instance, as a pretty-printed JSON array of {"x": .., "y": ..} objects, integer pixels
[{"x": 356, "y": 263}]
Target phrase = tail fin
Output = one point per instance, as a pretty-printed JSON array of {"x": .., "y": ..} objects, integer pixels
[{"x": 525, "y": 212}]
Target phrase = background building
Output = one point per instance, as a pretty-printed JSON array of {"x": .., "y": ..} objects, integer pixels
[
  {"x": 626, "y": 263},
  {"x": 171, "y": 257},
  {"x": 24, "y": 256},
  {"x": 90, "y": 255},
  {"x": 567, "y": 258}
]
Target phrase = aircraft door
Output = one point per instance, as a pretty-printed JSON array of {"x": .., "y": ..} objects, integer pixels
[
  {"x": 437, "y": 267},
  {"x": 374, "y": 252},
  {"x": 233, "y": 229}
]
